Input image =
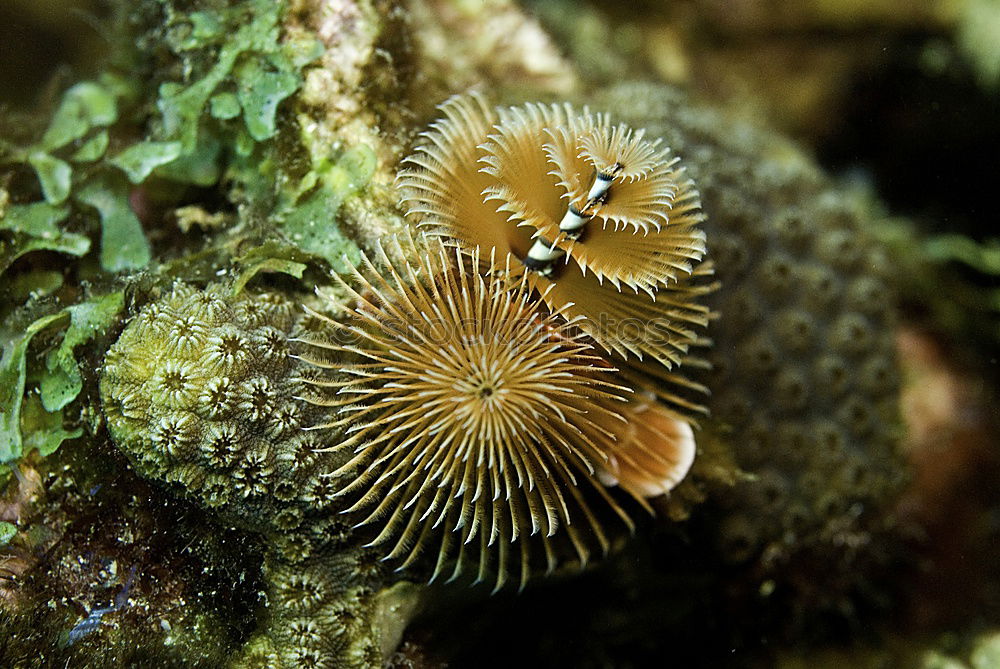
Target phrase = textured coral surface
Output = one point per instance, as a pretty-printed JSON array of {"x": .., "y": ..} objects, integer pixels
[
  {"x": 198, "y": 391},
  {"x": 202, "y": 392},
  {"x": 804, "y": 378}
]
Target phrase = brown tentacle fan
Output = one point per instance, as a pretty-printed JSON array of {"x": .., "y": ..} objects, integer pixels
[{"x": 480, "y": 428}]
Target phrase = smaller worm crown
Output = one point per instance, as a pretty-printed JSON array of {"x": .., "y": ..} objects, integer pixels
[
  {"x": 586, "y": 206},
  {"x": 613, "y": 201}
]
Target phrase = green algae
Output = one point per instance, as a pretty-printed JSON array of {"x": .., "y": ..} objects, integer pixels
[
  {"x": 986, "y": 653},
  {"x": 92, "y": 149},
  {"x": 35, "y": 420},
  {"x": 123, "y": 243},
  {"x": 13, "y": 375},
  {"x": 85, "y": 106},
  {"x": 952, "y": 277},
  {"x": 241, "y": 69},
  {"x": 53, "y": 174},
  {"x": 62, "y": 382},
  {"x": 79, "y": 122},
  {"x": 43, "y": 430},
  {"x": 307, "y": 226},
  {"x": 269, "y": 258},
  {"x": 251, "y": 73},
  {"x": 7, "y": 532},
  {"x": 983, "y": 257},
  {"x": 201, "y": 167},
  {"x": 979, "y": 22},
  {"x": 217, "y": 120},
  {"x": 306, "y": 219},
  {"x": 260, "y": 91},
  {"x": 35, "y": 227},
  {"x": 77, "y": 136},
  {"x": 259, "y": 70},
  {"x": 139, "y": 160},
  {"x": 225, "y": 106}
]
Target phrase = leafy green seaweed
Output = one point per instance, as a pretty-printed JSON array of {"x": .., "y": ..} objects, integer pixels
[
  {"x": 310, "y": 222},
  {"x": 123, "y": 243},
  {"x": 260, "y": 91},
  {"x": 35, "y": 420},
  {"x": 271, "y": 257},
  {"x": 84, "y": 106},
  {"x": 965, "y": 301},
  {"x": 139, "y": 160},
  {"x": 109, "y": 140},
  {"x": 87, "y": 106},
  {"x": 13, "y": 374},
  {"x": 258, "y": 69},
  {"x": 77, "y": 134},
  {"x": 54, "y": 175},
  {"x": 43, "y": 430},
  {"x": 983, "y": 257},
  {"x": 62, "y": 382},
  {"x": 92, "y": 149},
  {"x": 36, "y": 227},
  {"x": 978, "y": 23}
]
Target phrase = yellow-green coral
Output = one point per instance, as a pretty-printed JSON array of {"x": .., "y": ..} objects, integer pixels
[
  {"x": 321, "y": 615},
  {"x": 199, "y": 391}
]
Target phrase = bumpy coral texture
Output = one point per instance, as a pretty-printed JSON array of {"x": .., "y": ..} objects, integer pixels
[
  {"x": 194, "y": 392},
  {"x": 804, "y": 376},
  {"x": 201, "y": 391},
  {"x": 320, "y": 618}
]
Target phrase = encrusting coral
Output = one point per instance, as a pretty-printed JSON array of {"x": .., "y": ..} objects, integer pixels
[
  {"x": 197, "y": 391},
  {"x": 321, "y": 615},
  {"x": 201, "y": 392},
  {"x": 804, "y": 377}
]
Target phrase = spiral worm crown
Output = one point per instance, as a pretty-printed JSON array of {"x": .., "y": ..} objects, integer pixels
[{"x": 603, "y": 220}]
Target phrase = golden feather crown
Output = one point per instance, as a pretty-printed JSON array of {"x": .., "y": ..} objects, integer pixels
[{"x": 592, "y": 207}]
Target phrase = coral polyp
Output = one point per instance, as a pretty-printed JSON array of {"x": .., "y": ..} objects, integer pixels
[
  {"x": 199, "y": 392},
  {"x": 598, "y": 215},
  {"x": 475, "y": 422}
]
